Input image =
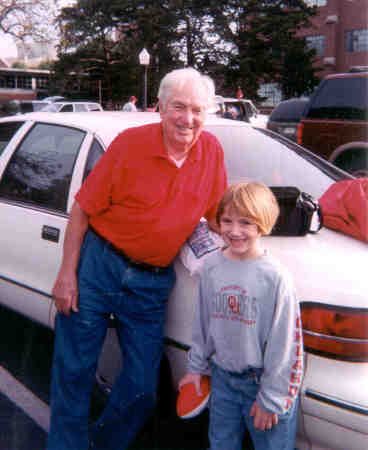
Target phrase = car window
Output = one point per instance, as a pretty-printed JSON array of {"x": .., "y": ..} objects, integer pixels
[
  {"x": 95, "y": 153},
  {"x": 38, "y": 106},
  {"x": 252, "y": 155},
  {"x": 66, "y": 108},
  {"x": 345, "y": 98},
  {"x": 289, "y": 111},
  {"x": 249, "y": 109},
  {"x": 51, "y": 107},
  {"x": 93, "y": 107},
  {"x": 40, "y": 170},
  {"x": 7, "y": 131},
  {"x": 80, "y": 107},
  {"x": 26, "y": 107}
]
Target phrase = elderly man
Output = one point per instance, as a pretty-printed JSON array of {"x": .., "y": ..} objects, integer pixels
[{"x": 130, "y": 218}]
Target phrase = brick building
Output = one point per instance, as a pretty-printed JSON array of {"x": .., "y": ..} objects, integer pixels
[{"x": 339, "y": 34}]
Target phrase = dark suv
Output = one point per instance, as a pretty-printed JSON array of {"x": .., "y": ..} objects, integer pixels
[
  {"x": 285, "y": 117},
  {"x": 335, "y": 122}
]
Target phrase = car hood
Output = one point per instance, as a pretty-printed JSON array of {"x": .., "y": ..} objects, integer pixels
[{"x": 327, "y": 267}]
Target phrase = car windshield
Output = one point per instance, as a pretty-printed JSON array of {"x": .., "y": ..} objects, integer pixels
[
  {"x": 31, "y": 106},
  {"x": 345, "y": 98},
  {"x": 252, "y": 154},
  {"x": 289, "y": 111},
  {"x": 52, "y": 107}
]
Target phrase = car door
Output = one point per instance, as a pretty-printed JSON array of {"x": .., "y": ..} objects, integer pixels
[{"x": 37, "y": 184}]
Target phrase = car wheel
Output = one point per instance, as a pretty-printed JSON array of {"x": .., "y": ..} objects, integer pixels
[{"x": 354, "y": 161}]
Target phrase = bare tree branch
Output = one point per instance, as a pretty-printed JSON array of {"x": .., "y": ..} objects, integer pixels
[{"x": 23, "y": 19}]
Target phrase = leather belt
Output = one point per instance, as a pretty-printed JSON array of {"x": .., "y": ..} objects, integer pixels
[{"x": 138, "y": 264}]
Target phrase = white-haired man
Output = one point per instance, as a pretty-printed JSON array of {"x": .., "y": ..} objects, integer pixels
[{"x": 131, "y": 216}]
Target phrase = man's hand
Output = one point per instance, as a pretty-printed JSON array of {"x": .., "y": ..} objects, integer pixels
[
  {"x": 65, "y": 290},
  {"x": 192, "y": 378},
  {"x": 263, "y": 420},
  {"x": 65, "y": 293}
]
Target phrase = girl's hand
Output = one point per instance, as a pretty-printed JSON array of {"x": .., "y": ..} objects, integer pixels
[
  {"x": 192, "y": 378},
  {"x": 263, "y": 420}
]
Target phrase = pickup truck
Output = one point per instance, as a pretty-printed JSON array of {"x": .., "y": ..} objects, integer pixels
[{"x": 44, "y": 158}]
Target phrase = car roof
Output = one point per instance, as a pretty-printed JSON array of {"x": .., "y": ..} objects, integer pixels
[
  {"x": 347, "y": 75},
  {"x": 231, "y": 99},
  {"x": 108, "y": 124},
  {"x": 75, "y": 102}
]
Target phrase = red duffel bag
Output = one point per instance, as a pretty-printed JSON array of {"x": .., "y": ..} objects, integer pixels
[{"x": 345, "y": 207}]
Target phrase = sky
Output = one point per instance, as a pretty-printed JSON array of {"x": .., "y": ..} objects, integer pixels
[{"x": 7, "y": 46}]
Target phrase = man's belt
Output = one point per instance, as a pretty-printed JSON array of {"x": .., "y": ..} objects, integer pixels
[{"x": 138, "y": 264}]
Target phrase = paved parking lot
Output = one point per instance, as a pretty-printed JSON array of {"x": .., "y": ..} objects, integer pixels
[
  {"x": 25, "y": 367},
  {"x": 17, "y": 430}
]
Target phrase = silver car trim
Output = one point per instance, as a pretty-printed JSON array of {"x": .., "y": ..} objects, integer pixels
[
  {"x": 336, "y": 338},
  {"x": 309, "y": 393},
  {"x": 25, "y": 286}
]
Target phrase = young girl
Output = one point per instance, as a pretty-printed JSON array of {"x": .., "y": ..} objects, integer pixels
[{"x": 247, "y": 330}]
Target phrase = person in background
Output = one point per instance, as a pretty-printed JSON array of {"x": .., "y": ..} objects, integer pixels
[
  {"x": 247, "y": 331},
  {"x": 123, "y": 234},
  {"x": 130, "y": 106}
]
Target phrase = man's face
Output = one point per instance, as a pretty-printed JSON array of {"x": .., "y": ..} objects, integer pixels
[{"x": 182, "y": 119}]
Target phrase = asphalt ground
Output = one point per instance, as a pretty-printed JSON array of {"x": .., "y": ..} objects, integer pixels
[
  {"x": 25, "y": 369},
  {"x": 17, "y": 430}
]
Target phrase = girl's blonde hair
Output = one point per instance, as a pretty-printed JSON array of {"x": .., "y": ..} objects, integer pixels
[{"x": 253, "y": 200}]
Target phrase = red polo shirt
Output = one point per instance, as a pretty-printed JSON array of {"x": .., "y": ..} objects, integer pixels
[{"x": 141, "y": 202}]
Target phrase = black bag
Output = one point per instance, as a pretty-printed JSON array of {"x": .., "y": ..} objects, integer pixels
[{"x": 297, "y": 209}]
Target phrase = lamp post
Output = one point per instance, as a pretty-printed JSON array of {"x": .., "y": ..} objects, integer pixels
[{"x": 144, "y": 59}]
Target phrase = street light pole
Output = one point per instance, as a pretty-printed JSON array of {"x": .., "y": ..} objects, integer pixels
[
  {"x": 145, "y": 89},
  {"x": 144, "y": 59}
]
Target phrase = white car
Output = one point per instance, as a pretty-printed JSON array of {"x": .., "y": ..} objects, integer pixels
[
  {"x": 72, "y": 106},
  {"x": 43, "y": 161},
  {"x": 240, "y": 109}
]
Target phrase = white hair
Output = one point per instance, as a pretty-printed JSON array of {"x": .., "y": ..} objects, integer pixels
[{"x": 202, "y": 84}]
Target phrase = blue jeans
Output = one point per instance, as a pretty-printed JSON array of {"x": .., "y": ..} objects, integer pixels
[
  {"x": 232, "y": 396},
  {"x": 108, "y": 284}
]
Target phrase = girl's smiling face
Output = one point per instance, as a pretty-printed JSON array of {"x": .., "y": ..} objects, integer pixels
[{"x": 241, "y": 235}]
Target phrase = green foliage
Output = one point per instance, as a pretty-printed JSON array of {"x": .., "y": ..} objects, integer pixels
[
  {"x": 237, "y": 42},
  {"x": 19, "y": 65},
  {"x": 262, "y": 37}
]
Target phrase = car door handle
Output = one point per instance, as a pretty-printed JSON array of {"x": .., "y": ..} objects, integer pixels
[{"x": 50, "y": 233}]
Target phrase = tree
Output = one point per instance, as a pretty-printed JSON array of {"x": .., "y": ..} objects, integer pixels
[
  {"x": 237, "y": 42},
  {"x": 261, "y": 39},
  {"x": 108, "y": 36},
  {"x": 297, "y": 75},
  {"x": 24, "y": 19}
]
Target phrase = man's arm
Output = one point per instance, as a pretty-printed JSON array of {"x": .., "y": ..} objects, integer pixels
[{"x": 65, "y": 290}]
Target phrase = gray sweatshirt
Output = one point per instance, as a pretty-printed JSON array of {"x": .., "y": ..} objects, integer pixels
[{"x": 247, "y": 315}]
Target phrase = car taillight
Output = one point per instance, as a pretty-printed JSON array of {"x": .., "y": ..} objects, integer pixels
[
  {"x": 299, "y": 136},
  {"x": 335, "y": 332}
]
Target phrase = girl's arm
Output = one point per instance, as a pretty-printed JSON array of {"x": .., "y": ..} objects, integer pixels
[
  {"x": 201, "y": 347},
  {"x": 283, "y": 356}
]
